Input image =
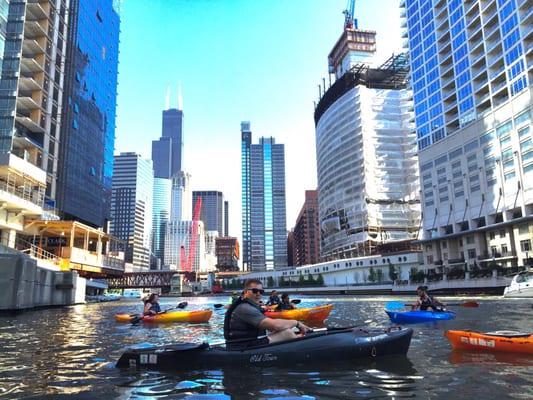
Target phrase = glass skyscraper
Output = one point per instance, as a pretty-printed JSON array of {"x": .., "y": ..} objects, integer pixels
[
  {"x": 471, "y": 70},
  {"x": 264, "y": 213},
  {"x": 160, "y": 215},
  {"x": 88, "y": 112},
  {"x": 212, "y": 212}
]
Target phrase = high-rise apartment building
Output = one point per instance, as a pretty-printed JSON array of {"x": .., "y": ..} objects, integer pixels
[
  {"x": 131, "y": 206},
  {"x": 471, "y": 69},
  {"x": 212, "y": 212},
  {"x": 162, "y": 196},
  {"x": 263, "y": 203},
  {"x": 366, "y": 161},
  {"x": 306, "y": 233},
  {"x": 181, "y": 197},
  {"x": 33, "y": 42},
  {"x": 88, "y": 114},
  {"x": 167, "y": 151}
]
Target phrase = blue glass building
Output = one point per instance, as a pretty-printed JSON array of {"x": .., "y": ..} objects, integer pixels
[
  {"x": 471, "y": 70},
  {"x": 89, "y": 110},
  {"x": 263, "y": 202},
  {"x": 160, "y": 215}
]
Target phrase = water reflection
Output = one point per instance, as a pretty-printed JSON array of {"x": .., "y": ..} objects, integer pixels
[{"x": 391, "y": 376}]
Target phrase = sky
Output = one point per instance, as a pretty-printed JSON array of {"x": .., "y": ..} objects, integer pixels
[{"x": 236, "y": 60}]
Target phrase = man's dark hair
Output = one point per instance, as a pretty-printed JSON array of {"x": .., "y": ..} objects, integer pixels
[
  {"x": 274, "y": 291},
  {"x": 249, "y": 282}
]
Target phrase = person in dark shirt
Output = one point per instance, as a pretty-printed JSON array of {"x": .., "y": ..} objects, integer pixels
[
  {"x": 425, "y": 301},
  {"x": 245, "y": 324},
  {"x": 285, "y": 303},
  {"x": 274, "y": 299},
  {"x": 151, "y": 306}
]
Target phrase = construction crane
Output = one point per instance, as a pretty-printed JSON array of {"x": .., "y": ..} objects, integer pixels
[
  {"x": 194, "y": 234},
  {"x": 349, "y": 21}
]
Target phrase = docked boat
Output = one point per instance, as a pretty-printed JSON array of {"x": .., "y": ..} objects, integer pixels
[
  {"x": 521, "y": 285},
  {"x": 498, "y": 341},
  {"x": 415, "y": 317},
  {"x": 322, "y": 346},
  {"x": 193, "y": 317},
  {"x": 312, "y": 314}
]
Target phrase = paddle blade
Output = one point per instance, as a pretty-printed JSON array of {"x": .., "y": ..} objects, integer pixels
[
  {"x": 296, "y": 301},
  {"x": 183, "y": 304},
  {"x": 218, "y": 305},
  {"x": 135, "y": 320},
  {"x": 472, "y": 304},
  {"x": 394, "y": 305}
]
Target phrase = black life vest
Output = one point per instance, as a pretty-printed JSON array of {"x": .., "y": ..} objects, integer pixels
[
  {"x": 284, "y": 306},
  {"x": 251, "y": 333},
  {"x": 426, "y": 303}
]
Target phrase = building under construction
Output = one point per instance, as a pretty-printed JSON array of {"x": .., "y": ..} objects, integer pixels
[{"x": 366, "y": 154}]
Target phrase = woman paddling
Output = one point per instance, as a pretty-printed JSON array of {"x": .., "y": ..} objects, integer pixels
[
  {"x": 151, "y": 306},
  {"x": 285, "y": 303},
  {"x": 425, "y": 301}
]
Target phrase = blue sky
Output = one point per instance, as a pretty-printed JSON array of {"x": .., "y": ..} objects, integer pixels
[{"x": 236, "y": 60}]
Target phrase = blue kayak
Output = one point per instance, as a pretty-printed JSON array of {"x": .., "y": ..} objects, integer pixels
[{"x": 413, "y": 317}]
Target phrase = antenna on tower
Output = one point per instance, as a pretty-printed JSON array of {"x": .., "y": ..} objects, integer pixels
[
  {"x": 180, "y": 98},
  {"x": 167, "y": 99}
]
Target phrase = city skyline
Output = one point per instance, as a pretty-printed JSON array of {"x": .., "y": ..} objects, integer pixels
[{"x": 273, "y": 85}]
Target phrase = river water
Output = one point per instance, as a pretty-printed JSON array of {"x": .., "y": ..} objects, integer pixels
[{"x": 70, "y": 352}]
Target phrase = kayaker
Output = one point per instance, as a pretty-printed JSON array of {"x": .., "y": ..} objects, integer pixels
[
  {"x": 426, "y": 301},
  {"x": 151, "y": 306},
  {"x": 245, "y": 325},
  {"x": 274, "y": 299},
  {"x": 285, "y": 303}
]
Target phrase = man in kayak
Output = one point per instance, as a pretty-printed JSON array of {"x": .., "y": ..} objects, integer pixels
[
  {"x": 151, "y": 306},
  {"x": 245, "y": 325},
  {"x": 426, "y": 301},
  {"x": 273, "y": 300},
  {"x": 285, "y": 303}
]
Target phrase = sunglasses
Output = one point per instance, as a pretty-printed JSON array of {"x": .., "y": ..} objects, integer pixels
[{"x": 256, "y": 290}]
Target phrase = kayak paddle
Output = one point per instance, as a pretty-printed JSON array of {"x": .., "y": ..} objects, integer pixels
[
  {"x": 218, "y": 305},
  {"x": 296, "y": 301}
]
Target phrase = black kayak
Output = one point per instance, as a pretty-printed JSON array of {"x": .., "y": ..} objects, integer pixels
[{"x": 331, "y": 345}]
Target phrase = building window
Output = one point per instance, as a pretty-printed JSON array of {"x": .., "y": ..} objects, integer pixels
[
  {"x": 525, "y": 245},
  {"x": 502, "y": 233},
  {"x": 504, "y": 248},
  {"x": 471, "y": 253},
  {"x": 492, "y": 235},
  {"x": 430, "y": 259}
]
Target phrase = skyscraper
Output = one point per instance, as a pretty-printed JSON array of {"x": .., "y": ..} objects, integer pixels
[
  {"x": 471, "y": 72},
  {"x": 131, "y": 206},
  {"x": 263, "y": 206},
  {"x": 88, "y": 116},
  {"x": 167, "y": 151},
  {"x": 162, "y": 195},
  {"x": 212, "y": 212},
  {"x": 226, "y": 218},
  {"x": 366, "y": 161}
]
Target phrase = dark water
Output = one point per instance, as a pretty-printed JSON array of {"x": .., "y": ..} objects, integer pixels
[{"x": 70, "y": 352}]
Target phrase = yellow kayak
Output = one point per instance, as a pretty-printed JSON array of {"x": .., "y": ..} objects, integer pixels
[
  {"x": 313, "y": 314},
  {"x": 193, "y": 317}
]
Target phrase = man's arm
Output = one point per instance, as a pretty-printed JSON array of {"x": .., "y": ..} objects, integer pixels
[{"x": 276, "y": 325}]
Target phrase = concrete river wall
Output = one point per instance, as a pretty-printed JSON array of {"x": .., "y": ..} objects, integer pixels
[{"x": 24, "y": 285}]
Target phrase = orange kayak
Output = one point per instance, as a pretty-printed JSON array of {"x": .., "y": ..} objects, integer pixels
[
  {"x": 506, "y": 341},
  {"x": 194, "y": 317},
  {"x": 313, "y": 314}
]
